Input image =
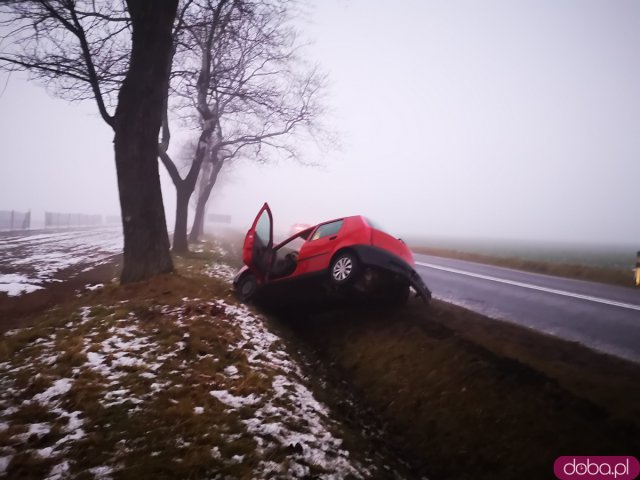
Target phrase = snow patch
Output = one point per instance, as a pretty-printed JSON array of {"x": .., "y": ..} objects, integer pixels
[
  {"x": 4, "y": 463},
  {"x": 13, "y": 284},
  {"x": 94, "y": 359},
  {"x": 59, "y": 471},
  {"x": 59, "y": 388},
  {"x": 234, "y": 401},
  {"x": 221, "y": 271},
  {"x": 101, "y": 473},
  {"x": 38, "y": 429},
  {"x": 231, "y": 371},
  {"x": 45, "y": 452},
  {"x": 289, "y": 415},
  {"x": 38, "y": 258}
]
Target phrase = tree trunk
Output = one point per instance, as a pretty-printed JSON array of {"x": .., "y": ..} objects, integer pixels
[
  {"x": 183, "y": 194},
  {"x": 137, "y": 124},
  {"x": 197, "y": 229},
  {"x": 198, "y": 221}
]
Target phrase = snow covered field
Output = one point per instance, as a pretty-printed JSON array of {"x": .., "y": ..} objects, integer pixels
[{"x": 30, "y": 260}]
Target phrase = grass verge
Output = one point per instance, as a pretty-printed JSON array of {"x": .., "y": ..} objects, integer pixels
[
  {"x": 164, "y": 379},
  {"x": 611, "y": 276},
  {"x": 172, "y": 379},
  {"x": 466, "y": 397}
]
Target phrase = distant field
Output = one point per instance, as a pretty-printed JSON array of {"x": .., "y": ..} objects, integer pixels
[
  {"x": 32, "y": 259},
  {"x": 607, "y": 264}
]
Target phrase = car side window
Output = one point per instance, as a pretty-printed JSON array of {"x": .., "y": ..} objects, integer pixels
[
  {"x": 263, "y": 228},
  {"x": 327, "y": 229}
]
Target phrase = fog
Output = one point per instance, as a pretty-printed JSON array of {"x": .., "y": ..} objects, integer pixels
[{"x": 457, "y": 119}]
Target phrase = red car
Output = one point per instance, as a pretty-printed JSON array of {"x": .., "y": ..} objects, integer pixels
[{"x": 346, "y": 255}]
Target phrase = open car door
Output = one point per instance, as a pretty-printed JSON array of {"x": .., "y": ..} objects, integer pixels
[{"x": 257, "y": 252}]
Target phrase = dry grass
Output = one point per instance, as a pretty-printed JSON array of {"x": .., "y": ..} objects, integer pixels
[
  {"x": 168, "y": 439},
  {"x": 467, "y": 397},
  {"x": 580, "y": 272},
  {"x": 136, "y": 366},
  {"x": 454, "y": 394}
]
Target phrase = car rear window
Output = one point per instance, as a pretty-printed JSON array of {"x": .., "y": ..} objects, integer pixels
[
  {"x": 327, "y": 229},
  {"x": 375, "y": 225}
]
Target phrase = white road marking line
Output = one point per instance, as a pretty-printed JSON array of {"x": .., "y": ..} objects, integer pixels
[{"x": 534, "y": 287}]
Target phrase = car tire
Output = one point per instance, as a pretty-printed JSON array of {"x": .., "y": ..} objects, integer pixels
[
  {"x": 246, "y": 287},
  {"x": 343, "y": 268}
]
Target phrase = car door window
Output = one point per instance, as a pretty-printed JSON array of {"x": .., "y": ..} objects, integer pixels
[
  {"x": 263, "y": 228},
  {"x": 258, "y": 244},
  {"x": 327, "y": 229}
]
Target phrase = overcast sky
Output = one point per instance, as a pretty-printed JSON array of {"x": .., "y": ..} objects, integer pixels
[{"x": 492, "y": 119}]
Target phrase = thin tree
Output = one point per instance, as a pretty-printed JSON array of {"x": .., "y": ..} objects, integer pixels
[
  {"x": 251, "y": 94},
  {"x": 119, "y": 55}
]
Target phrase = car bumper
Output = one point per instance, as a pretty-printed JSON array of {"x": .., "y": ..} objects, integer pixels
[{"x": 382, "y": 259}]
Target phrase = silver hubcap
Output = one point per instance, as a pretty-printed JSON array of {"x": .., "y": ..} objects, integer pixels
[{"x": 342, "y": 269}]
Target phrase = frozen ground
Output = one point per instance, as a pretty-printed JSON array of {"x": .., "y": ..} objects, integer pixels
[
  {"x": 254, "y": 394},
  {"x": 30, "y": 260},
  {"x": 192, "y": 387}
]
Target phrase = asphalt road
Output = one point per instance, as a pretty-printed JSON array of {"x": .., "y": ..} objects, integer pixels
[{"x": 603, "y": 317}]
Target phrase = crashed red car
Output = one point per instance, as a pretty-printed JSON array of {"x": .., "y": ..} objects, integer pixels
[{"x": 343, "y": 256}]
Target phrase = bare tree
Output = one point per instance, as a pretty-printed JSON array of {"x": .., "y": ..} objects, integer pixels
[
  {"x": 217, "y": 157},
  {"x": 209, "y": 171},
  {"x": 202, "y": 24},
  {"x": 118, "y": 54},
  {"x": 240, "y": 78}
]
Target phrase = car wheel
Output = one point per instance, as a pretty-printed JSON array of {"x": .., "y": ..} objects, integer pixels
[
  {"x": 344, "y": 268},
  {"x": 246, "y": 287}
]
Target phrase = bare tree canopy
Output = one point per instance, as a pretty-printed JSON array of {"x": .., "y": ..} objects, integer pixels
[
  {"x": 78, "y": 49},
  {"x": 118, "y": 54},
  {"x": 238, "y": 77}
]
